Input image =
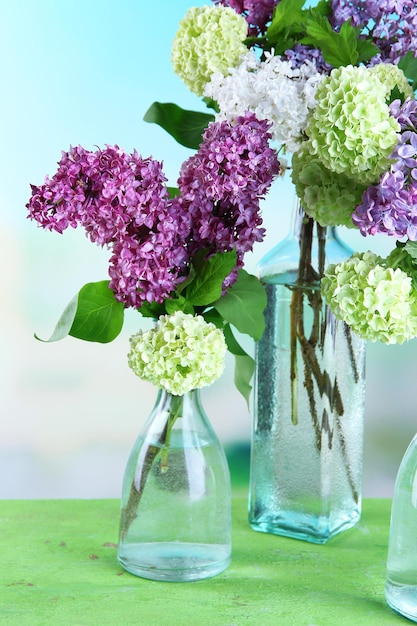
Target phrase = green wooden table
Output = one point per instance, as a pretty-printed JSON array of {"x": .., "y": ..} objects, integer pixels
[{"x": 58, "y": 567}]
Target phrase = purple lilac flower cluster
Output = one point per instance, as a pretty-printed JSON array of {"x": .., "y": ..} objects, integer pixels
[
  {"x": 258, "y": 13},
  {"x": 121, "y": 201},
  {"x": 393, "y": 23},
  {"x": 100, "y": 191},
  {"x": 221, "y": 186},
  {"x": 391, "y": 206},
  {"x": 301, "y": 54}
]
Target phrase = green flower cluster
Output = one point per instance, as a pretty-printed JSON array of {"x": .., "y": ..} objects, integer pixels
[
  {"x": 182, "y": 352},
  {"x": 392, "y": 76},
  {"x": 327, "y": 197},
  {"x": 376, "y": 301},
  {"x": 209, "y": 39},
  {"x": 351, "y": 129}
]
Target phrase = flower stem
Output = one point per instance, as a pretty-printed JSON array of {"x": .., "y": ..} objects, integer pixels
[
  {"x": 176, "y": 408},
  {"x": 307, "y": 287},
  {"x": 149, "y": 453}
]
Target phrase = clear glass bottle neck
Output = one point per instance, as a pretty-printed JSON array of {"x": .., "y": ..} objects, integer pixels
[
  {"x": 173, "y": 412},
  {"x": 307, "y": 250},
  {"x": 181, "y": 404}
]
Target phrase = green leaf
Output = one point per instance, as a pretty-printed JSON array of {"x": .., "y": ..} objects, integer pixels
[
  {"x": 233, "y": 345},
  {"x": 338, "y": 48},
  {"x": 211, "y": 104},
  {"x": 411, "y": 248},
  {"x": 244, "y": 368},
  {"x": 287, "y": 14},
  {"x": 152, "y": 309},
  {"x": 395, "y": 94},
  {"x": 244, "y": 304},
  {"x": 178, "y": 304},
  {"x": 404, "y": 256},
  {"x": 366, "y": 50},
  {"x": 206, "y": 286},
  {"x": 93, "y": 315},
  {"x": 173, "y": 191},
  {"x": 186, "y": 127},
  {"x": 244, "y": 364},
  {"x": 322, "y": 8},
  {"x": 408, "y": 64},
  {"x": 64, "y": 323},
  {"x": 211, "y": 315}
]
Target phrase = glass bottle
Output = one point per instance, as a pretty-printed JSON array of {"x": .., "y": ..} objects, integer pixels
[
  {"x": 401, "y": 580},
  {"x": 307, "y": 439},
  {"x": 176, "y": 500}
]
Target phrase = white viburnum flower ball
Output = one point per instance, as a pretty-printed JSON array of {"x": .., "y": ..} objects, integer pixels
[
  {"x": 351, "y": 129},
  {"x": 182, "y": 352},
  {"x": 392, "y": 76},
  {"x": 377, "y": 302},
  {"x": 209, "y": 39}
]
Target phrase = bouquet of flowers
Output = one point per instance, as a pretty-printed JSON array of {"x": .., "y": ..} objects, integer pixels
[
  {"x": 336, "y": 82},
  {"x": 173, "y": 250}
]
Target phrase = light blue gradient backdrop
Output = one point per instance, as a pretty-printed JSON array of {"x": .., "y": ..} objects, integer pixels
[{"x": 77, "y": 72}]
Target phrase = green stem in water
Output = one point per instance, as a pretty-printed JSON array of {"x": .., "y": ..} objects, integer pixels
[
  {"x": 176, "y": 404},
  {"x": 307, "y": 286},
  {"x": 128, "y": 514}
]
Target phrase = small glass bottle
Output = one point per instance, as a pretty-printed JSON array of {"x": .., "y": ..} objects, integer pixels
[
  {"x": 176, "y": 501},
  {"x": 401, "y": 582}
]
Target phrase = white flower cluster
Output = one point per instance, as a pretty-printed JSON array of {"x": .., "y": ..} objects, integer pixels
[
  {"x": 272, "y": 89},
  {"x": 182, "y": 352}
]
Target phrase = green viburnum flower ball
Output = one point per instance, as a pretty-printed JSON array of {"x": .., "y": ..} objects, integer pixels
[
  {"x": 392, "y": 76},
  {"x": 182, "y": 352},
  {"x": 351, "y": 129},
  {"x": 377, "y": 302},
  {"x": 209, "y": 39},
  {"x": 327, "y": 197}
]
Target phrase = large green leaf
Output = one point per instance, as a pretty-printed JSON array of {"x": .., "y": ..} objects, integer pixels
[
  {"x": 338, "y": 48},
  {"x": 366, "y": 50},
  {"x": 93, "y": 315},
  {"x": 186, "y": 127},
  {"x": 411, "y": 248},
  {"x": 64, "y": 323},
  {"x": 408, "y": 64},
  {"x": 213, "y": 316},
  {"x": 178, "y": 304},
  {"x": 244, "y": 304},
  {"x": 206, "y": 286},
  {"x": 244, "y": 364},
  {"x": 244, "y": 368},
  {"x": 287, "y": 14},
  {"x": 233, "y": 345}
]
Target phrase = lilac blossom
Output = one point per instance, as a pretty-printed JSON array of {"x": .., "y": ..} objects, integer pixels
[
  {"x": 301, "y": 54},
  {"x": 258, "y": 13},
  {"x": 121, "y": 201},
  {"x": 221, "y": 185},
  {"x": 148, "y": 264},
  {"x": 103, "y": 191},
  {"x": 405, "y": 113},
  {"x": 390, "y": 207},
  {"x": 392, "y": 23}
]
